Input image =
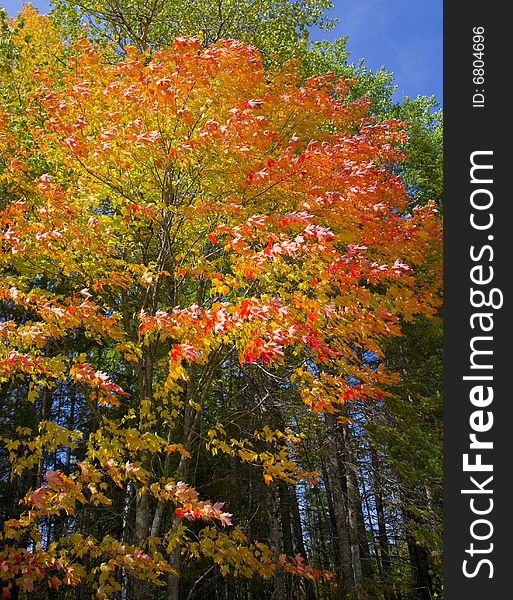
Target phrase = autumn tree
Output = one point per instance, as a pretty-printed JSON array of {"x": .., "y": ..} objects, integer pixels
[
  {"x": 405, "y": 550},
  {"x": 181, "y": 230},
  {"x": 279, "y": 28}
]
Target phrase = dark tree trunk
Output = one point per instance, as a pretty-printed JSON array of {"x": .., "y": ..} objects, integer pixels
[
  {"x": 286, "y": 525},
  {"x": 420, "y": 566},
  {"x": 384, "y": 546},
  {"x": 417, "y": 553},
  {"x": 299, "y": 543},
  {"x": 340, "y": 508}
]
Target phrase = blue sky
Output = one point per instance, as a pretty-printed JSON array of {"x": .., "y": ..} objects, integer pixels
[{"x": 405, "y": 36}]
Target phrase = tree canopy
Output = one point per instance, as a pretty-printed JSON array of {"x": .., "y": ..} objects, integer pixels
[{"x": 204, "y": 261}]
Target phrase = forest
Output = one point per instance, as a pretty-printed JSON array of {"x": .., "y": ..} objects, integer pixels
[{"x": 220, "y": 309}]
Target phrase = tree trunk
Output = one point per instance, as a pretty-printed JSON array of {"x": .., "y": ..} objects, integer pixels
[
  {"x": 418, "y": 559},
  {"x": 299, "y": 543},
  {"x": 384, "y": 547},
  {"x": 365, "y": 555},
  {"x": 173, "y": 581},
  {"x": 354, "y": 506},
  {"x": 200, "y": 381},
  {"x": 339, "y": 487},
  {"x": 141, "y": 589},
  {"x": 286, "y": 524}
]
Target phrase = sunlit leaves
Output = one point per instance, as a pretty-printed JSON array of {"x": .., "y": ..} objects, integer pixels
[{"x": 189, "y": 213}]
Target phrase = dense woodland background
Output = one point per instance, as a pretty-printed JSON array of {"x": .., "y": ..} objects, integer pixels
[{"x": 373, "y": 513}]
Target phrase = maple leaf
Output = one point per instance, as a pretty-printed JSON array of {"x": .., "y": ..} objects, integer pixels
[
  {"x": 225, "y": 518},
  {"x": 85, "y": 293},
  {"x": 26, "y": 583},
  {"x": 54, "y": 479},
  {"x": 38, "y": 498}
]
